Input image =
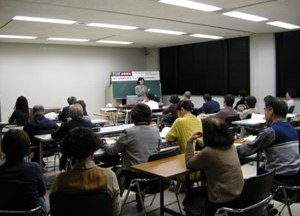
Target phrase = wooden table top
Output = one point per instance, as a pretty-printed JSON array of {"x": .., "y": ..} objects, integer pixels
[{"x": 166, "y": 167}]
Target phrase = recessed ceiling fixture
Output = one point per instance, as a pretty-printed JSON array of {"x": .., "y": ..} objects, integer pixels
[
  {"x": 105, "y": 25},
  {"x": 191, "y": 5},
  {"x": 68, "y": 39},
  {"x": 245, "y": 16},
  {"x": 283, "y": 25},
  {"x": 162, "y": 31},
  {"x": 206, "y": 36},
  {"x": 45, "y": 20},
  {"x": 114, "y": 42},
  {"x": 18, "y": 37}
]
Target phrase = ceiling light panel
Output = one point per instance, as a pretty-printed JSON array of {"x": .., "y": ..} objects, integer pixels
[
  {"x": 45, "y": 20},
  {"x": 245, "y": 16},
  {"x": 68, "y": 39},
  {"x": 191, "y": 5},
  {"x": 162, "y": 31},
  {"x": 18, "y": 37},
  {"x": 105, "y": 25},
  {"x": 206, "y": 36},
  {"x": 283, "y": 25},
  {"x": 114, "y": 42}
]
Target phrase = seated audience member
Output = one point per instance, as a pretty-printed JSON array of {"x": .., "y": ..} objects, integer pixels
[
  {"x": 241, "y": 104},
  {"x": 38, "y": 125},
  {"x": 15, "y": 146},
  {"x": 221, "y": 164},
  {"x": 135, "y": 144},
  {"x": 149, "y": 101},
  {"x": 228, "y": 110},
  {"x": 138, "y": 142},
  {"x": 85, "y": 114},
  {"x": 250, "y": 104},
  {"x": 171, "y": 111},
  {"x": 185, "y": 125},
  {"x": 290, "y": 94},
  {"x": 81, "y": 144},
  {"x": 279, "y": 142},
  {"x": 65, "y": 111},
  {"x": 209, "y": 106},
  {"x": 21, "y": 112},
  {"x": 187, "y": 95},
  {"x": 76, "y": 114}
]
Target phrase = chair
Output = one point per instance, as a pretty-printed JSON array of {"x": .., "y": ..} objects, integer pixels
[
  {"x": 87, "y": 203},
  {"x": 14, "y": 200},
  {"x": 287, "y": 195},
  {"x": 291, "y": 109},
  {"x": 152, "y": 185},
  {"x": 231, "y": 119},
  {"x": 255, "y": 196}
]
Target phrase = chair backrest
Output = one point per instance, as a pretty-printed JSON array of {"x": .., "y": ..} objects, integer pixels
[
  {"x": 230, "y": 119},
  {"x": 291, "y": 109},
  {"x": 154, "y": 185},
  {"x": 13, "y": 197},
  {"x": 163, "y": 154},
  {"x": 87, "y": 203},
  {"x": 255, "y": 189}
]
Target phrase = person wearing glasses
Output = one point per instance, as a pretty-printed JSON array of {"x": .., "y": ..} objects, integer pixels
[{"x": 279, "y": 142}]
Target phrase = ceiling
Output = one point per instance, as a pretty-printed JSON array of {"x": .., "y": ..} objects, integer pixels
[{"x": 143, "y": 14}]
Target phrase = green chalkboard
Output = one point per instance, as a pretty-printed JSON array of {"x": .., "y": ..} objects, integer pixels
[{"x": 120, "y": 89}]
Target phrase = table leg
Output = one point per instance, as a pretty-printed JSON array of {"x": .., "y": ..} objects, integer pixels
[
  {"x": 41, "y": 154},
  {"x": 162, "y": 205}
]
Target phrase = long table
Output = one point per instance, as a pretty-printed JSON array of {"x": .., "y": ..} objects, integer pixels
[{"x": 165, "y": 168}]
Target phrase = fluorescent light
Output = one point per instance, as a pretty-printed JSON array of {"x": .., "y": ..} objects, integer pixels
[
  {"x": 283, "y": 25},
  {"x": 40, "y": 19},
  {"x": 206, "y": 36},
  {"x": 114, "y": 42},
  {"x": 68, "y": 39},
  {"x": 191, "y": 5},
  {"x": 245, "y": 16},
  {"x": 165, "y": 31},
  {"x": 17, "y": 37},
  {"x": 104, "y": 25}
]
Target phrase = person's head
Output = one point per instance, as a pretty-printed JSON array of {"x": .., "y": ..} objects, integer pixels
[
  {"x": 242, "y": 94},
  {"x": 76, "y": 111},
  {"x": 80, "y": 143},
  {"x": 267, "y": 98},
  {"x": 141, "y": 113},
  {"x": 184, "y": 107},
  {"x": 206, "y": 97},
  {"x": 22, "y": 104},
  {"x": 15, "y": 145},
  {"x": 251, "y": 101},
  {"x": 290, "y": 93},
  {"x": 275, "y": 109},
  {"x": 187, "y": 95},
  {"x": 216, "y": 133},
  {"x": 38, "y": 110},
  {"x": 149, "y": 96},
  {"x": 174, "y": 99},
  {"x": 228, "y": 100},
  {"x": 140, "y": 81},
  {"x": 71, "y": 100},
  {"x": 83, "y": 104}
]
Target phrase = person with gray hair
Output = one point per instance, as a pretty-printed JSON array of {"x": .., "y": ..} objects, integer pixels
[
  {"x": 77, "y": 120},
  {"x": 65, "y": 111}
]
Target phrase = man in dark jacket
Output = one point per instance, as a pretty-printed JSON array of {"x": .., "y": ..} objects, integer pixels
[
  {"x": 38, "y": 125},
  {"x": 65, "y": 111}
]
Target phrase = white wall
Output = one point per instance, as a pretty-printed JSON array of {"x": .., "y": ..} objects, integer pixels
[
  {"x": 48, "y": 74},
  {"x": 262, "y": 67}
]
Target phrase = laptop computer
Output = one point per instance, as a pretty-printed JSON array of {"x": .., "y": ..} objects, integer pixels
[{"x": 131, "y": 100}]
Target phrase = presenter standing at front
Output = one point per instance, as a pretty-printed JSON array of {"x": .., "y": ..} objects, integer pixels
[{"x": 141, "y": 89}]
